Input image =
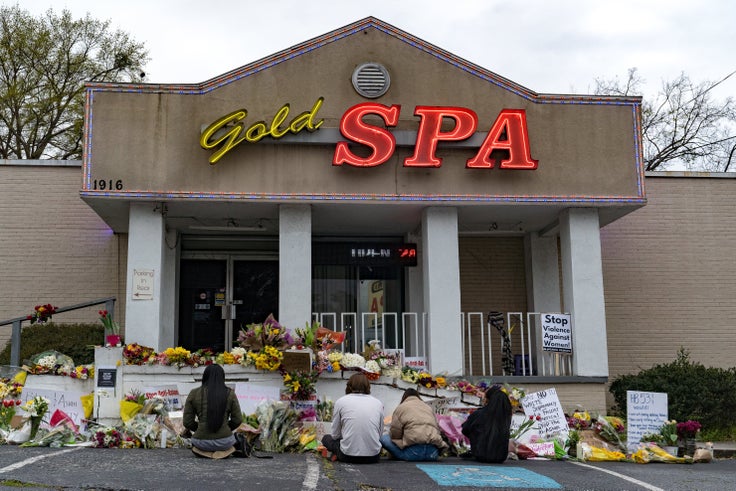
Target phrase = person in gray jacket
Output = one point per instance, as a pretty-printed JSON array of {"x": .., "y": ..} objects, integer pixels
[
  {"x": 212, "y": 412},
  {"x": 415, "y": 434}
]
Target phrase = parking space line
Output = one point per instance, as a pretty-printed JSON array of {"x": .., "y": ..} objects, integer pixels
[
  {"x": 32, "y": 460},
  {"x": 621, "y": 476},
  {"x": 311, "y": 477}
]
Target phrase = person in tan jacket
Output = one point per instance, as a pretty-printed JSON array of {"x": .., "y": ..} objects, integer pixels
[{"x": 414, "y": 434}]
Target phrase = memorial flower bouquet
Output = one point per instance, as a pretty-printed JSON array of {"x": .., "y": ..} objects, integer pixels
[
  {"x": 669, "y": 433},
  {"x": 7, "y": 411},
  {"x": 255, "y": 337},
  {"x": 268, "y": 358},
  {"x": 137, "y": 354},
  {"x": 111, "y": 327},
  {"x": 178, "y": 357},
  {"x": 525, "y": 426},
  {"x": 300, "y": 385},
  {"x": 689, "y": 429},
  {"x": 36, "y": 409},
  {"x": 42, "y": 313}
]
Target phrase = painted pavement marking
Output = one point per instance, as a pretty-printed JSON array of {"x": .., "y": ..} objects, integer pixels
[
  {"x": 488, "y": 476},
  {"x": 650, "y": 487},
  {"x": 33, "y": 460},
  {"x": 311, "y": 478}
]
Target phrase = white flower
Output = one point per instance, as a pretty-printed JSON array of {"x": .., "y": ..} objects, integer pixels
[
  {"x": 239, "y": 351},
  {"x": 47, "y": 361},
  {"x": 350, "y": 360},
  {"x": 372, "y": 366}
]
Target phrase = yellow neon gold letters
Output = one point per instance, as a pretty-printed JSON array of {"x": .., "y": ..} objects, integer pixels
[{"x": 236, "y": 132}]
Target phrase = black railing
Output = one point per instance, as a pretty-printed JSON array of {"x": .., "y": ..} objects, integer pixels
[{"x": 18, "y": 321}]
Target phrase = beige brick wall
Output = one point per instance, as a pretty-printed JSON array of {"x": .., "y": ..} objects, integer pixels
[
  {"x": 53, "y": 247},
  {"x": 492, "y": 278},
  {"x": 670, "y": 275}
]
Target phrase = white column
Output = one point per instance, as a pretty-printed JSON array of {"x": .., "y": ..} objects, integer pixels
[
  {"x": 582, "y": 279},
  {"x": 146, "y": 252},
  {"x": 295, "y": 265},
  {"x": 414, "y": 294},
  {"x": 544, "y": 278},
  {"x": 441, "y": 278}
]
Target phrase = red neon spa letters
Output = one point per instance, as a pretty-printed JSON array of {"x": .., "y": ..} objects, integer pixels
[{"x": 511, "y": 122}]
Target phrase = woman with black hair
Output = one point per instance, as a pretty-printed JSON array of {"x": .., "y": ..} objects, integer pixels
[
  {"x": 489, "y": 427},
  {"x": 212, "y": 412}
]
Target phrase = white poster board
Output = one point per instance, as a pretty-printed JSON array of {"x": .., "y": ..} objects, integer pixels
[
  {"x": 546, "y": 404},
  {"x": 68, "y": 401},
  {"x": 556, "y": 333},
  {"x": 251, "y": 395},
  {"x": 532, "y": 433},
  {"x": 646, "y": 412}
]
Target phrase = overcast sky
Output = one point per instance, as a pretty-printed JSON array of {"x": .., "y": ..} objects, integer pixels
[{"x": 549, "y": 46}]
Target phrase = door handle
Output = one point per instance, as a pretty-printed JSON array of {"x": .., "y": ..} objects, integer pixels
[{"x": 228, "y": 312}]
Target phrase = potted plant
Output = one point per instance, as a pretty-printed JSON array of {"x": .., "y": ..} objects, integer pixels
[
  {"x": 112, "y": 329},
  {"x": 687, "y": 431},
  {"x": 668, "y": 431}
]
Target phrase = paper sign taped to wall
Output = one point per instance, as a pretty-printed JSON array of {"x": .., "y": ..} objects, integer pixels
[
  {"x": 169, "y": 393},
  {"x": 251, "y": 395},
  {"x": 142, "y": 284}
]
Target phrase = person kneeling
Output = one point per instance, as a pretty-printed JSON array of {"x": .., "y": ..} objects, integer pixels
[{"x": 414, "y": 434}]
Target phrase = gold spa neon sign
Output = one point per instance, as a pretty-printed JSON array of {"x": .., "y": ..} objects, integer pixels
[{"x": 508, "y": 133}]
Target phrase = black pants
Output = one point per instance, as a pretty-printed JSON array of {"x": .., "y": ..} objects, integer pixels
[{"x": 333, "y": 445}]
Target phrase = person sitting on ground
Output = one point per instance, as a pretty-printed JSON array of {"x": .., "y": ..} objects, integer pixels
[
  {"x": 212, "y": 412},
  {"x": 489, "y": 427},
  {"x": 357, "y": 425},
  {"x": 414, "y": 434}
]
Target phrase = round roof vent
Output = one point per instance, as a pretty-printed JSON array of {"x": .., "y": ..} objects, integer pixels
[{"x": 371, "y": 80}]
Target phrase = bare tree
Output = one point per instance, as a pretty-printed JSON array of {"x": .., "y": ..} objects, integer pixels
[
  {"x": 44, "y": 63},
  {"x": 682, "y": 124}
]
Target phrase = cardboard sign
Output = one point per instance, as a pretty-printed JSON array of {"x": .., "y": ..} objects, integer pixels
[
  {"x": 546, "y": 404},
  {"x": 556, "y": 333},
  {"x": 169, "y": 393},
  {"x": 251, "y": 395},
  {"x": 646, "y": 412},
  {"x": 68, "y": 401}
]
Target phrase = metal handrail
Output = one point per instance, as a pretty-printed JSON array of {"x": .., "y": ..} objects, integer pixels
[{"x": 18, "y": 321}]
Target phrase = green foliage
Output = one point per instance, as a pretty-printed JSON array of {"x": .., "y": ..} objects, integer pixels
[
  {"x": 44, "y": 62},
  {"x": 696, "y": 392},
  {"x": 74, "y": 340}
]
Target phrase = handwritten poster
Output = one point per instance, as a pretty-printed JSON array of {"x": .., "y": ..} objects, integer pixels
[
  {"x": 646, "y": 412},
  {"x": 68, "y": 401},
  {"x": 546, "y": 404}
]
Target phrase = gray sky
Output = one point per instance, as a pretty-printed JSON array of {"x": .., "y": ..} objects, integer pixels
[{"x": 549, "y": 46}]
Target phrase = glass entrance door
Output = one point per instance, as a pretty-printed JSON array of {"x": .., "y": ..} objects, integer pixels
[{"x": 220, "y": 295}]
